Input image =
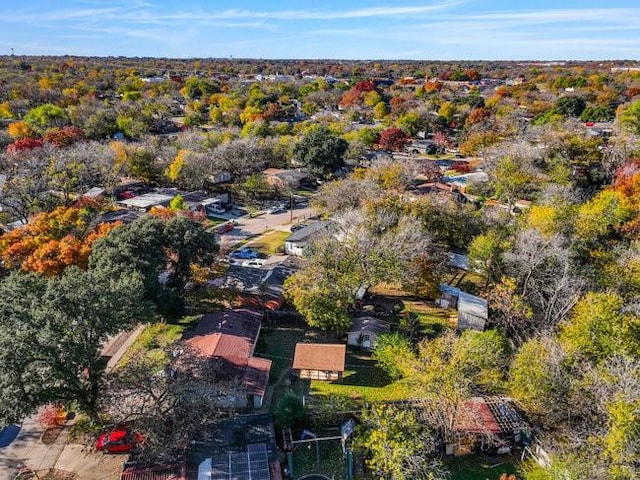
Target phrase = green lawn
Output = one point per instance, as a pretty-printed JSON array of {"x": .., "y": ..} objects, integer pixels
[
  {"x": 363, "y": 380},
  {"x": 154, "y": 339},
  {"x": 330, "y": 464},
  {"x": 269, "y": 242},
  {"x": 278, "y": 344},
  {"x": 151, "y": 343},
  {"x": 481, "y": 467}
]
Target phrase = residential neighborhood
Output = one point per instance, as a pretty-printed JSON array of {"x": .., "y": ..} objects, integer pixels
[{"x": 246, "y": 269}]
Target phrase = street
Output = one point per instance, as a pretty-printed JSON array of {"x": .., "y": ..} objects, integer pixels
[{"x": 249, "y": 227}]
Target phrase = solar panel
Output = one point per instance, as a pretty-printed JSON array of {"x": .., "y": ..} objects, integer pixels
[{"x": 250, "y": 465}]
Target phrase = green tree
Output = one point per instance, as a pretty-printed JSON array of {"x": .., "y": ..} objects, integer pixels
[
  {"x": 536, "y": 379},
  {"x": 46, "y": 116},
  {"x": 397, "y": 445},
  {"x": 485, "y": 252},
  {"x": 322, "y": 304},
  {"x": 570, "y": 106},
  {"x": 393, "y": 353},
  {"x": 481, "y": 358},
  {"x": 178, "y": 203},
  {"x": 153, "y": 248},
  {"x": 511, "y": 178},
  {"x": 598, "y": 329},
  {"x": 321, "y": 151},
  {"x": 630, "y": 117},
  {"x": 289, "y": 411},
  {"x": 51, "y": 336}
]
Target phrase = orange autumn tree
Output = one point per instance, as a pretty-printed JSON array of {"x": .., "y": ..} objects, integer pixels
[{"x": 52, "y": 241}]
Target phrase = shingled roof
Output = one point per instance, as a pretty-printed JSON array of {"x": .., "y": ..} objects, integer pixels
[{"x": 319, "y": 356}]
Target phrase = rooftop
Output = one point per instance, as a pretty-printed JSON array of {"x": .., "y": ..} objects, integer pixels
[
  {"x": 304, "y": 233},
  {"x": 147, "y": 200},
  {"x": 369, "y": 324},
  {"x": 320, "y": 356}
]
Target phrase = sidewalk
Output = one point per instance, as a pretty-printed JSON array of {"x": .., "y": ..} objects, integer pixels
[{"x": 27, "y": 449}]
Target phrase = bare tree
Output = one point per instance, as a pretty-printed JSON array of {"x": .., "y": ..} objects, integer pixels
[
  {"x": 545, "y": 280},
  {"x": 168, "y": 404}
]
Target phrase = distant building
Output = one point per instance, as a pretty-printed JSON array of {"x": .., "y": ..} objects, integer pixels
[{"x": 285, "y": 178}]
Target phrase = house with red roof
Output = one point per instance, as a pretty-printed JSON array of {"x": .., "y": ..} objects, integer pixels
[{"x": 228, "y": 339}]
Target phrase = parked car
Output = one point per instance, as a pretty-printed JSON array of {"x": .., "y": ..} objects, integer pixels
[
  {"x": 119, "y": 440},
  {"x": 253, "y": 263},
  {"x": 244, "y": 253},
  {"x": 276, "y": 209},
  {"x": 297, "y": 226},
  {"x": 225, "y": 227}
]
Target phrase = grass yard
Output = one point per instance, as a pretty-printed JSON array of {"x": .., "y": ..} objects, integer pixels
[
  {"x": 363, "y": 380},
  {"x": 269, "y": 242},
  {"x": 152, "y": 342},
  {"x": 481, "y": 467},
  {"x": 154, "y": 339},
  {"x": 331, "y": 464},
  {"x": 278, "y": 344}
]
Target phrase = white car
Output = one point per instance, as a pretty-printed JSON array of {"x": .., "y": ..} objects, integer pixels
[{"x": 253, "y": 263}]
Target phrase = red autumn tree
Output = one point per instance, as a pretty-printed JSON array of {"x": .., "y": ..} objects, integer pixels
[
  {"x": 52, "y": 241},
  {"x": 394, "y": 139},
  {"x": 441, "y": 141},
  {"x": 51, "y": 415}
]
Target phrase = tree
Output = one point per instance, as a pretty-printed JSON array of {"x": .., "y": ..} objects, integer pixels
[
  {"x": 598, "y": 329},
  {"x": 393, "y": 139},
  {"x": 51, "y": 336},
  {"x": 20, "y": 130},
  {"x": 538, "y": 381},
  {"x": 151, "y": 247},
  {"x": 52, "y": 241},
  {"x": 46, "y": 116},
  {"x": 485, "y": 254},
  {"x": 321, "y": 151},
  {"x": 324, "y": 305},
  {"x": 511, "y": 178},
  {"x": 630, "y": 117},
  {"x": 397, "y": 445},
  {"x": 570, "y": 106},
  {"x": 167, "y": 396},
  {"x": 392, "y": 352}
]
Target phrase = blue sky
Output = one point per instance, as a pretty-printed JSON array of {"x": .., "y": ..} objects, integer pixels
[{"x": 364, "y": 29}]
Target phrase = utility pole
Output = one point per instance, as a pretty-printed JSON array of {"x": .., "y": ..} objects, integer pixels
[{"x": 291, "y": 208}]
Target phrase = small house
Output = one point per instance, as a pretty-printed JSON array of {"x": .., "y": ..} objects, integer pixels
[
  {"x": 297, "y": 241},
  {"x": 285, "y": 178},
  {"x": 229, "y": 338},
  {"x": 319, "y": 361},
  {"x": 364, "y": 332},
  {"x": 473, "y": 312}
]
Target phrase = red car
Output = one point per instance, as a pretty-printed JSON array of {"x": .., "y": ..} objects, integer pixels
[{"x": 119, "y": 440}]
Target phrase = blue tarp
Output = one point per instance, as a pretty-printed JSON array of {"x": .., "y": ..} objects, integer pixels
[{"x": 8, "y": 434}]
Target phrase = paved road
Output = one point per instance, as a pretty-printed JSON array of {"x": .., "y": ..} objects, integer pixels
[{"x": 250, "y": 227}]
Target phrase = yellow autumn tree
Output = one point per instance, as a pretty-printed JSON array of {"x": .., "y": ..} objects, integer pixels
[{"x": 175, "y": 167}]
